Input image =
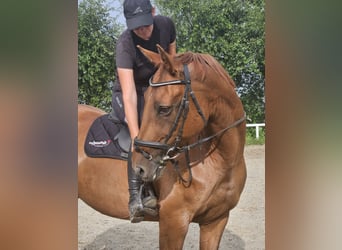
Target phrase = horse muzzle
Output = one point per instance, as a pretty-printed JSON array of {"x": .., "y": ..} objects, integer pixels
[
  {"x": 150, "y": 171},
  {"x": 151, "y": 166}
]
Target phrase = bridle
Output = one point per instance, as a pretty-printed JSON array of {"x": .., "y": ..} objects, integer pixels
[{"x": 172, "y": 151}]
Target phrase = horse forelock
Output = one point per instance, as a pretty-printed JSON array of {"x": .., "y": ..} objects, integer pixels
[{"x": 204, "y": 64}]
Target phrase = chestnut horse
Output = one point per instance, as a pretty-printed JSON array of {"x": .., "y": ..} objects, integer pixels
[{"x": 190, "y": 146}]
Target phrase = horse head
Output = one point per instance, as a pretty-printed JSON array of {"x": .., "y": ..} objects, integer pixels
[{"x": 179, "y": 114}]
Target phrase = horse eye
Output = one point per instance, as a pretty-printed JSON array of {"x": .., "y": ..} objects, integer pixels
[{"x": 164, "y": 110}]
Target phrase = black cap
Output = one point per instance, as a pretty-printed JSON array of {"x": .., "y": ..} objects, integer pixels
[{"x": 138, "y": 13}]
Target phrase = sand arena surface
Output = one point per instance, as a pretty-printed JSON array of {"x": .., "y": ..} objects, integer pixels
[{"x": 245, "y": 229}]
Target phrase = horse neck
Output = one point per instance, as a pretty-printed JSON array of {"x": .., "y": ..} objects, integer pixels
[{"x": 225, "y": 108}]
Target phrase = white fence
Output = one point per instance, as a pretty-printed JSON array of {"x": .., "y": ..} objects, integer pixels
[{"x": 256, "y": 125}]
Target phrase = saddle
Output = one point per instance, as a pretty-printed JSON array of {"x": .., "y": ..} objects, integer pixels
[{"x": 108, "y": 137}]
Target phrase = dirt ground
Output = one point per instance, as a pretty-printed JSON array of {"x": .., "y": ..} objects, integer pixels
[{"x": 244, "y": 231}]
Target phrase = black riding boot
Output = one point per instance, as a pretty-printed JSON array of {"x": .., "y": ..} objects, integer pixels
[
  {"x": 136, "y": 212},
  {"x": 140, "y": 201}
]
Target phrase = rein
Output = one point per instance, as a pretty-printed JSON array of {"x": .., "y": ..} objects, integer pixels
[{"x": 173, "y": 151}]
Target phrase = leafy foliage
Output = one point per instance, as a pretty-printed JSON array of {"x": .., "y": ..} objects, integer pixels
[
  {"x": 97, "y": 34},
  {"x": 233, "y": 32},
  {"x": 230, "y": 30}
]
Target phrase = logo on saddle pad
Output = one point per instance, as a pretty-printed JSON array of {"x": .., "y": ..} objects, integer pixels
[{"x": 100, "y": 144}]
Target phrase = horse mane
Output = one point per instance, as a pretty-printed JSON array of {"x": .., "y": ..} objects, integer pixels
[{"x": 204, "y": 63}]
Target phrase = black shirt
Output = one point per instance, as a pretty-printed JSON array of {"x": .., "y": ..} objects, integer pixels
[{"x": 128, "y": 56}]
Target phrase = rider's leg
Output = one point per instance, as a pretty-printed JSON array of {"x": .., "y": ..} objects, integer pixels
[
  {"x": 136, "y": 213},
  {"x": 140, "y": 201}
]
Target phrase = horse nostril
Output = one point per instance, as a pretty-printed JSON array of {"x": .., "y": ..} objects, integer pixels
[{"x": 140, "y": 171}]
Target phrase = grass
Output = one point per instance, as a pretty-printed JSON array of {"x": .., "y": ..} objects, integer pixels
[{"x": 252, "y": 140}]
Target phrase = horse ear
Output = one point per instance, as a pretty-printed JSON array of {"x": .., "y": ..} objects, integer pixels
[
  {"x": 150, "y": 55},
  {"x": 167, "y": 60}
]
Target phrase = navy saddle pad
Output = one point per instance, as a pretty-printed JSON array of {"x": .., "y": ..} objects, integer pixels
[{"x": 107, "y": 139}]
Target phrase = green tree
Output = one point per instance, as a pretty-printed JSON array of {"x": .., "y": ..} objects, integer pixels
[
  {"x": 233, "y": 32},
  {"x": 97, "y": 32}
]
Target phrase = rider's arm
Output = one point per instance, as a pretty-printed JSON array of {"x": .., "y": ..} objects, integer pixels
[
  {"x": 172, "y": 48},
  {"x": 129, "y": 96}
]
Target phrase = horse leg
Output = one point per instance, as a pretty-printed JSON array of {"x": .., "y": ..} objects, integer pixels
[
  {"x": 172, "y": 231},
  {"x": 210, "y": 234}
]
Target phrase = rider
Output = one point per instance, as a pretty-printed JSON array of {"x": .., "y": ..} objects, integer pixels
[{"x": 146, "y": 29}]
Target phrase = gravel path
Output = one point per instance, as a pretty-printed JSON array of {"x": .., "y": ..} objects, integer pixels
[{"x": 245, "y": 229}]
